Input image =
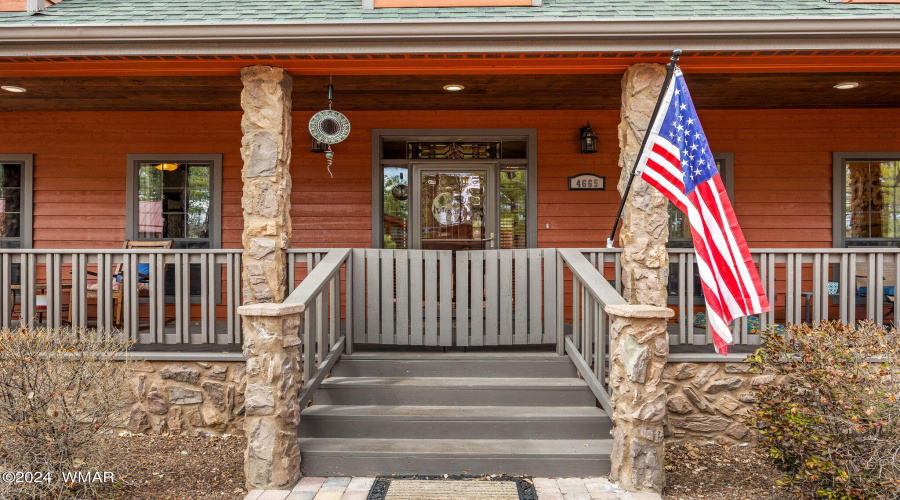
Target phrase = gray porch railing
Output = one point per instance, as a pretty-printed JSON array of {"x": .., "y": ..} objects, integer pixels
[
  {"x": 588, "y": 346},
  {"x": 187, "y": 297},
  {"x": 319, "y": 295},
  {"x": 796, "y": 282}
]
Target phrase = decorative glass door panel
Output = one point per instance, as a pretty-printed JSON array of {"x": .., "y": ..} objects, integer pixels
[{"x": 455, "y": 210}]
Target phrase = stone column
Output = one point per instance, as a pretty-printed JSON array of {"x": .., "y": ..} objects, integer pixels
[
  {"x": 266, "y": 150},
  {"x": 645, "y": 220},
  {"x": 272, "y": 412},
  {"x": 639, "y": 346}
]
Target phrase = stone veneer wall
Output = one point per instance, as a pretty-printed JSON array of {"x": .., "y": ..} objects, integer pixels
[
  {"x": 193, "y": 398},
  {"x": 706, "y": 401},
  {"x": 710, "y": 401}
]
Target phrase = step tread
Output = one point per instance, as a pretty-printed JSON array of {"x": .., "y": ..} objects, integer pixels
[
  {"x": 457, "y": 356},
  {"x": 482, "y": 448},
  {"x": 457, "y": 382},
  {"x": 461, "y": 413}
]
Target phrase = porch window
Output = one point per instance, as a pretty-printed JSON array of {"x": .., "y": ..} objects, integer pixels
[
  {"x": 870, "y": 199},
  {"x": 175, "y": 198},
  {"x": 679, "y": 227},
  {"x": 15, "y": 201},
  {"x": 680, "y": 230}
]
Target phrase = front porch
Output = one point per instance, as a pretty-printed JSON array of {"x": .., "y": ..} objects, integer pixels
[{"x": 415, "y": 297}]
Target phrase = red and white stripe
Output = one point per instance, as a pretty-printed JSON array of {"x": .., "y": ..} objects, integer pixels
[{"x": 731, "y": 284}]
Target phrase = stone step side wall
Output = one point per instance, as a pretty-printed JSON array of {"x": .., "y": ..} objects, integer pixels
[
  {"x": 711, "y": 401},
  {"x": 193, "y": 398},
  {"x": 706, "y": 401}
]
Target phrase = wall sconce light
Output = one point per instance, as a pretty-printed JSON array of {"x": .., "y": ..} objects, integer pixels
[
  {"x": 588, "y": 139},
  {"x": 318, "y": 147}
]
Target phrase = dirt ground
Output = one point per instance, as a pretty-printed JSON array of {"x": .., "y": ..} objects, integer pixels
[
  {"x": 212, "y": 468},
  {"x": 176, "y": 467},
  {"x": 721, "y": 473}
]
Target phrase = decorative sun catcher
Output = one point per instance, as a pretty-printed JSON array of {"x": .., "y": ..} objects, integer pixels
[{"x": 328, "y": 127}]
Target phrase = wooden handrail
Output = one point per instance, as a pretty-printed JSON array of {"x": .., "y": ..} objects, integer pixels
[
  {"x": 318, "y": 278},
  {"x": 590, "y": 277}
]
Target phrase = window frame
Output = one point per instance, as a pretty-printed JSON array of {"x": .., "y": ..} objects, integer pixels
[
  {"x": 727, "y": 175},
  {"x": 215, "y": 196},
  {"x": 838, "y": 191},
  {"x": 26, "y": 210},
  {"x": 459, "y": 135}
]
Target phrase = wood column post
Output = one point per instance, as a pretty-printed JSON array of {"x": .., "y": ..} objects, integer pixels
[
  {"x": 645, "y": 220},
  {"x": 266, "y": 201},
  {"x": 639, "y": 346}
]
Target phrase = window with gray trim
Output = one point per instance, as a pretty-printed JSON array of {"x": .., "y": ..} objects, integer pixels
[
  {"x": 16, "y": 201},
  {"x": 175, "y": 197},
  {"x": 679, "y": 228},
  {"x": 866, "y": 199}
]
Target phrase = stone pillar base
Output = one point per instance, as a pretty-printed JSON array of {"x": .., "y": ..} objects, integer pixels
[
  {"x": 272, "y": 412},
  {"x": 639, "y": 345}
]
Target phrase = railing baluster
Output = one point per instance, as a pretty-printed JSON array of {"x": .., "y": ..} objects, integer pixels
[
  {"x": 789, "y": 296},
  {"x": 462, "y": 295},
  {"x": 373, "y": 305},
  {"x": 334, "y": 320},
  {"x": 552, "y": 283},
  {"x": 576, "y": 312},
  {"x": 692, "y": 339},
  {"x": 212, "y": 277},
  {"x": 815, "y": 298},
  {"x": 683, "y": 317},
  {"x": 9, "y": 297},
  {"x": 877, "y": 286},
  {"x": 416, "y": 299},
  {"x": 185, "y": 296},
  {"x": 852, "y": 298},
  {"x": 387, "y": 296}
]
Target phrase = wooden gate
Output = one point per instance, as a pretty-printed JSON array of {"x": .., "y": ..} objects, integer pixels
[{"x": 436, "y": 298}]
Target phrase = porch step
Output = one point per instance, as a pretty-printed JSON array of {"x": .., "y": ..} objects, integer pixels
[
  {"x": 430, "y": 365},
  {"x": 447, "y": 391},
  {"x": 461, "y": 422},
  {"x": 537, "y": 457},
  {"x": 454, "y": 413}
]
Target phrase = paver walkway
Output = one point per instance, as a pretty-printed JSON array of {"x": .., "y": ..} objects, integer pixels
[{"x": 357, "y": 488}]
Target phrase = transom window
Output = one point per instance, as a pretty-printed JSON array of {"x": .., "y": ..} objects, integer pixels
[
  {"x": 175, "y": 198},
  {"x": 869, "y": 199},
  {"x": 15, "y": 201}
]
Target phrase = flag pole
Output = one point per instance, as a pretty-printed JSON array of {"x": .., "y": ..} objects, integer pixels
[{"x": 665, "y": 86}]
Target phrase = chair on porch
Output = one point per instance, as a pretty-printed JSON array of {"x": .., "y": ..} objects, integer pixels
[
  {"x": 888, "y": 283},
  {"x": 118, "y": 291}
]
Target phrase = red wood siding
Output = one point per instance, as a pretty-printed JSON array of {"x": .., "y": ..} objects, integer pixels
[{"x": 782, "y": 169}]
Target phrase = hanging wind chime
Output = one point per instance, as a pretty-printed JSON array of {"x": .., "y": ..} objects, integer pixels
[{"x": 329, "y": 127}]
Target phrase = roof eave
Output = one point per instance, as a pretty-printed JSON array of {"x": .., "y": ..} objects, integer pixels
[{"x": 425, "y": 37}]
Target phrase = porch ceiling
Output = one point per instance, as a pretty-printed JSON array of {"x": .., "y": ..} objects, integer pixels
[{"x": 483, "y": 92}]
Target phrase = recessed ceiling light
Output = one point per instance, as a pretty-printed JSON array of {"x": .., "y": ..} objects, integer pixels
[
  {"x": 846, "y": 85},
  {"x": 454, "y": 87},
  {"x": 12, "y": 88}
]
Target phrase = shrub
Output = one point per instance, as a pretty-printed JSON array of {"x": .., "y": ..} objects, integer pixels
[
  {"x": 60, "y": 390},
  {"x": 833, "y": 422}
]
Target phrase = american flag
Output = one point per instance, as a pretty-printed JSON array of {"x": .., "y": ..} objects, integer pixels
[{"x": 677, "y": 161}]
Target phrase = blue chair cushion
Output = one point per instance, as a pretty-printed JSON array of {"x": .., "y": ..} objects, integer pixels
[
  {"x": 888, "y": 290},
  {"x": 142, "y": 269}
]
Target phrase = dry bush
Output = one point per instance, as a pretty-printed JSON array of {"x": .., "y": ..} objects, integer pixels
[
  {"x": 833, "y": 424},
  {"x": 60, "y": 390}
]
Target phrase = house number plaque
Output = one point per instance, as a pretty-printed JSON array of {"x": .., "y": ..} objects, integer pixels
[{"x": 587, "y": 182}]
